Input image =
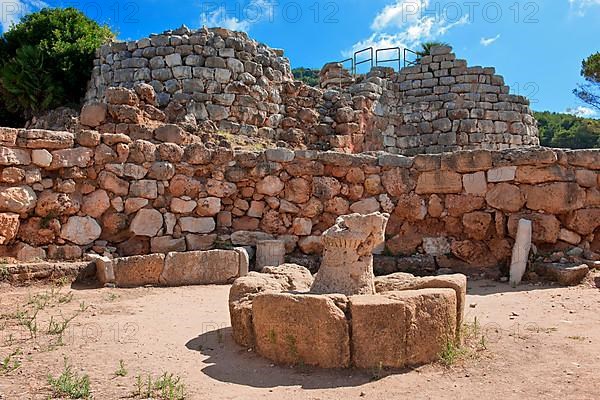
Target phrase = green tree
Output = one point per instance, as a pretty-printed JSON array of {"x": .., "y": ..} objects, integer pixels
[
  {"x": 26, "y": 85},
  {"x": 568, "y": 131},
  {"x": 58, "y": 45},
  {"x": 589, "y": 92},
  {"x": 307, "y": 75}
]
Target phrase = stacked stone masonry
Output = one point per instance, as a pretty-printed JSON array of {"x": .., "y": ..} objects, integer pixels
[
  {"x": 64, "y": 193},
  {"x": 223, "y": 81}
]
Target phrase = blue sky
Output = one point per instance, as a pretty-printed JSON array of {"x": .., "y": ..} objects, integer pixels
[{"x": 536, "y": 45}]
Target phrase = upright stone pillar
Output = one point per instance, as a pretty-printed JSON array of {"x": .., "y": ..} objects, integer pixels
[
  {"x": 269, "y": 253},
  {"x": 520, "y": 253},
  {"x": 347, "y": 265}
]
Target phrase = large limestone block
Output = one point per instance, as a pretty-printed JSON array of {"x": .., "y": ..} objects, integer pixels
[
  {"x": 439, "y": 182},
  {"x": 66, "y": 158},
  {"x": 584, "y": 221},
  {"x": 505, "y": 197},
  {"x": 397, "y": 329},
  {"x": 347, "y": 265},
  {"x": 299, "y": 278},
  {"x": 147, "y": 222},
  {"x": 301, "y": 329},
  {"x": 138, "y": 270},
  {"x": 545, "y": 227},
  {"x": 403, "y": 281},
  {"x": 43, "y": 139},
  {"x": 555, "y": 198},
  {"x": 17, "y": 199},
  {"x": 81, "y": 230},
  {"x": 271, "y": 279},
  {"x": 200, "y": 268},
  {"x": 10, "y": 156}
]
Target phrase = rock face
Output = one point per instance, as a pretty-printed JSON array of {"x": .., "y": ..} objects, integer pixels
[
  {"x": 347, "y": 265},
  {"x": 567, "y": 275},
  {"x": 284, "y": 326}
]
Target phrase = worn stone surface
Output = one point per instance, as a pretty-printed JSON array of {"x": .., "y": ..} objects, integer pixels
[
  {"x": 81, "y": 230},
  {"x": 18, "y": 199},
  {"x": 412, "y": 327},
  {"x": 404, "y": 281},
  {"x": 567, "y": 275},
  {"x": 147, "y": 222},
  {"x": 284, "y": 326},
  {"x": 200, "y": 268},
  {"x": 138, "y": 270},
  {"x": 347, "y": 265},
  {"x": 244, "y": 289},
  {"x": 9, "y": 226}
]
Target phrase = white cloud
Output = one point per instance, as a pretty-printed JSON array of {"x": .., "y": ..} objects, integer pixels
[
  {"x": 11, "y": 11},
  {"x": 580, "y": 7},
  {"x": 239, "y": 18},
  {"x": 399, "y": 14},
  {"x": 580, "y": 111},
  {"x": 404, "y": 24},
  {"x": 487, "y": 41}
]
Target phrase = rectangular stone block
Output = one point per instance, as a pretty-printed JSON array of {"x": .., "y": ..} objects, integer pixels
[
  {"x": 302, "y": 329},
  {"x": 501, "y": 174},
  {"x": 138, "y": 270},
  {"x": 43, "y": 139},
  {"x": 200, "y": 268},
  {"x": 439, "y": 182},
  {"x": 397, "y": 329},
  {"x": 8, "y": 136}
]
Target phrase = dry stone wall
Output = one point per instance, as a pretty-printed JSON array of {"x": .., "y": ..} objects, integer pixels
[
  {"x": 64, "y": 193},
  {"x": 438, "y": 105},
  {"x": 219, "y": 80}
]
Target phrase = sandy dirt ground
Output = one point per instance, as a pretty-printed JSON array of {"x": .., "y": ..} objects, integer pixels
[{"x": 541, "y": 342}]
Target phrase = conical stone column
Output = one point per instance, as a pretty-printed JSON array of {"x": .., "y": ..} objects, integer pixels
[{"x": 347, "y": 265}]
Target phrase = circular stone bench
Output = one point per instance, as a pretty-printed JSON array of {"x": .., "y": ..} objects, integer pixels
[{"x": 407, "y": 322}]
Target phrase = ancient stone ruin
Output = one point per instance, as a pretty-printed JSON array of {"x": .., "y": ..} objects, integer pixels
[
  {"x": 199, "y": 140},
  {"x": 223, "y": 80},
  {"x": 346, "y": 317},
  {"x": 347, "y": 265}
]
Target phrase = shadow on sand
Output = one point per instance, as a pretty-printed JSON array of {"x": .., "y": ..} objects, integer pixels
[{"x": 230, "y": 363}]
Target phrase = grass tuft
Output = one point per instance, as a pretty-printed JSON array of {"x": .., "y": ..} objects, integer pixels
[
  {"x": 121, "y": 371},
  {"x": 69, "y": 384}
]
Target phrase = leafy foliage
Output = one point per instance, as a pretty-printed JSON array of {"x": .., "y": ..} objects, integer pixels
[
  {"x": 26, "y": 84},
  {"x": 568, "y": 131},
  {"x": 307, "y": 75},
  {"x": 56, "y": 47},
  {"x": 590, "y": 91}
]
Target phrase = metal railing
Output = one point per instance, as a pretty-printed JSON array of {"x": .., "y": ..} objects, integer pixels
[
  {"x": 357, "y": 63},
  {"x": 399, "y": 58},
  {"x": 408, "y": 63},
  {"x": 374, "y": 58}
]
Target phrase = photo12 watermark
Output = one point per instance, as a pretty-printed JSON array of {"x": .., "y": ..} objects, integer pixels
[{"x": 245, "y": 14}]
